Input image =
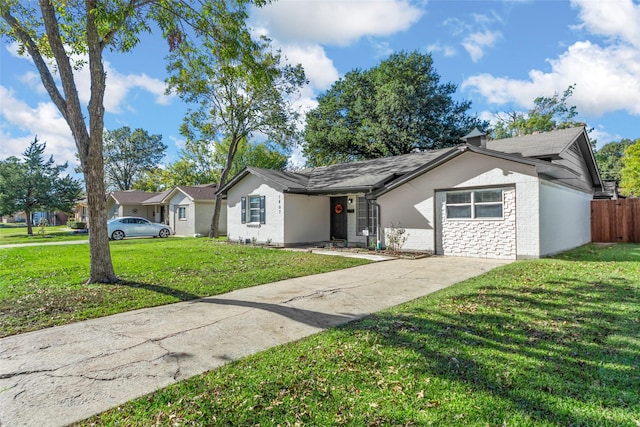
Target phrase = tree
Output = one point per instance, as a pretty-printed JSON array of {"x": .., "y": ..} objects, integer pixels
[
  {"x": 548, "y": 113},
  {"x": 630, "y": 173},
  {"x": 128, "y": 154},
  {"x": 609, "y": 158},
  {"x": 397, "y": 107},
  {"x": 35, "y": 184},
  {"x": 237, "y": 92},
  {"x": 247, "y": 154},
  {"x": 71, "y": 34}
]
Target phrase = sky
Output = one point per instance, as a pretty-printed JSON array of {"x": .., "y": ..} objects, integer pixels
[{"x": 500, "y": 54}]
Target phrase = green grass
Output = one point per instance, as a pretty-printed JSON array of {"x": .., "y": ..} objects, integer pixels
[
  {"x": 12, "y": 234},
  {"x": 42, "y": 286},
  {"x": 552, "y": 342}
]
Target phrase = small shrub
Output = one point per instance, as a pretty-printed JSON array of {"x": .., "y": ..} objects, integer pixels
[
  {"x": 76, "y": 225},
  {"x": 42, "y": 224},
  {"x": 396, "y": 237}
]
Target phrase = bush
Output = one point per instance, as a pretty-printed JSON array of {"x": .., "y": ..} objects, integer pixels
[{"x": 76, "y": 225}]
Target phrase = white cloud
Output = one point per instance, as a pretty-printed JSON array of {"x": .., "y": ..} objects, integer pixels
[
  {"x": 42, "y": 120},
  {"x": 336, "y": 22},
  {"x": 618, "y": 19},
  {"x": 476, "y": 43},
  {"x": 318, "y": 68},
  {"x": 607, "y": 75},
  {"x": 447, "y": 51},
  {"x": 607, "y": 79}
]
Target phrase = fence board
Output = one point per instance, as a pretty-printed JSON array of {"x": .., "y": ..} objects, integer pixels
[{"x": 615, "y": 220}]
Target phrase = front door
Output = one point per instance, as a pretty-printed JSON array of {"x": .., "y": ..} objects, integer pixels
[{"x": 339, "y": 218}]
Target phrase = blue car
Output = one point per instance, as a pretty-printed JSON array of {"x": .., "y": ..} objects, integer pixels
[{"x": 131, "y": 226}]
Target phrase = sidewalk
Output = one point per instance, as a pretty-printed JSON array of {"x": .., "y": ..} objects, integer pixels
[{"x": 64, "y": 374}]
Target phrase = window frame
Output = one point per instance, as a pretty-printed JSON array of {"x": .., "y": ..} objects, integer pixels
[
  {"x": 369, "y": 218},
  {"x": 473, "y": 204},
  {"x": 246, "y": 210},
  {"x": 182, "y": 213}
]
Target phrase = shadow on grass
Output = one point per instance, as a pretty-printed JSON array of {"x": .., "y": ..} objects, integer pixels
[{"x": 553, "y": 355}]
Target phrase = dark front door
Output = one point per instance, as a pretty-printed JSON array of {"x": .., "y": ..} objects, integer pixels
[{"x": 338, "y": 218}]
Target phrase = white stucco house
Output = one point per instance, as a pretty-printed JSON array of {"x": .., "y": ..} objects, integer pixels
[
  {"x": 523, "y": 197},
  {"x": 187, "y": 209}
]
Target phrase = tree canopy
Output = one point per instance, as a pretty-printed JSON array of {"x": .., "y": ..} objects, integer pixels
[
  {"x": 35, "y": 184},
  {"x": 610, "y": 158},
  {"x": 549, "y": 113},
  {"x": 397, "y": 107},
  {"x": 127, "y": 155},
  {"x": 235, "y": 93},
  {"x": 630, "y": 172}
]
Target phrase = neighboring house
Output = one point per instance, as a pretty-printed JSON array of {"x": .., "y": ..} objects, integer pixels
[
  {"x": 191, "y": 210},
  {"x": 523, "y": 197},
  {"x": 187, "y": 209}
]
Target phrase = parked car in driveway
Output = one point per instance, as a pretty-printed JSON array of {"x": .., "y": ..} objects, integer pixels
[{"x": 131, "y": 226}]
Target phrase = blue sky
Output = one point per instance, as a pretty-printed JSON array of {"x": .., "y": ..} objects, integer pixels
[{"x": 500, "y": 54}]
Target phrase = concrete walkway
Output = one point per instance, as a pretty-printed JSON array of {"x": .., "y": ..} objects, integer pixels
[{"x": 65, "y": 374}]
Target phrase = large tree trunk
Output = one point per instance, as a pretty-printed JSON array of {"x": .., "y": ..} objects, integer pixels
[
  {"x": 214, "y": 232},
  {"x": 27, "y": 214}
]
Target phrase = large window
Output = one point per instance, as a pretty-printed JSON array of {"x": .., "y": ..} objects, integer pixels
[
  {"x": 474, "y": 204},
  {"x": 253, "y": 209},
  {"x": 364, "y": 209}
]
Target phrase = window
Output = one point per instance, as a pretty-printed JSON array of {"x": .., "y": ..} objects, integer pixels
[
  {"x": 182, "y": 212},
  {"x": 364, "y": 209},
  {"x": 253, "y": 209},
  {"x": 474, "y": 204}
]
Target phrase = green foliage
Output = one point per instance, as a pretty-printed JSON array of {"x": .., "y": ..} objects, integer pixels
[
  {"x": 397, "y": 107},
  {"x": 127, "y": 155},
  {"x": 609, "y": 158},
  {"x": 247, "y": 154},
  {"x": 33, "y": 184},
  {"x": 630, "y": 173},
  {"x": 548, "y": 113}
]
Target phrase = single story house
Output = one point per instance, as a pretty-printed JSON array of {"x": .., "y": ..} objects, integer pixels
[
  {"x": 191, "y": 210},
  {"x": 187, "y": 209},
  {"x": 523, "y": 197}
]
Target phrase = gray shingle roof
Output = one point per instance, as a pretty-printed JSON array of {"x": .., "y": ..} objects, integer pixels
[
  {"x": 200, "y": 192},
  {"x": 131, "y": 197},
  {"x": 537, "y": 145},
  {"x": 374, "y": 174}
]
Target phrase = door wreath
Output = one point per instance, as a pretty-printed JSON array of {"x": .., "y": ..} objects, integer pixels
[{"x": 338, "y": 209}]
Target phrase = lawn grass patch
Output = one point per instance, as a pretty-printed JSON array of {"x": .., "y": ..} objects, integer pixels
[
  {"x": 14, "y": 234},
  {"x": 551, "y": 342},
  {"x": 42, "y": 286}
]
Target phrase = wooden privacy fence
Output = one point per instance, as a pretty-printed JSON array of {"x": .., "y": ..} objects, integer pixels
[{"x": 615, "y": 220}]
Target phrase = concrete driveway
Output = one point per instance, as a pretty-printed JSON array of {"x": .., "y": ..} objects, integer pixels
[{"x": 65, "y": 374}]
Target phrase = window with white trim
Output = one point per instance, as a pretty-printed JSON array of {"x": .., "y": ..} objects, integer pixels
[
  {"x": 253, "y": 209},
  {"x": 474, "y": 204},
  {"x": 182, "y": 212}
]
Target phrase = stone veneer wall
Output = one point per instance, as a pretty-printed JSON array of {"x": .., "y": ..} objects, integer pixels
[{"x": 490, "y": 238}]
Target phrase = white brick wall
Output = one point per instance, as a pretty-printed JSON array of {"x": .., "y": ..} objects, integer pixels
[{"x": 489, "y": 238}]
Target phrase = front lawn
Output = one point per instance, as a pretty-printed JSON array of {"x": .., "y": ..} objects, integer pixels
[
  {"x": 552, "y": 342},
  {"x": 12, "y": 234},
  {"x": 42, "y": 286}
]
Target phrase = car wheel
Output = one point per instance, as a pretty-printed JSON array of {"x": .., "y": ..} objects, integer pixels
[
  {"x": 117, "y": 235},
  {"x": 164, "y": 233}
]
